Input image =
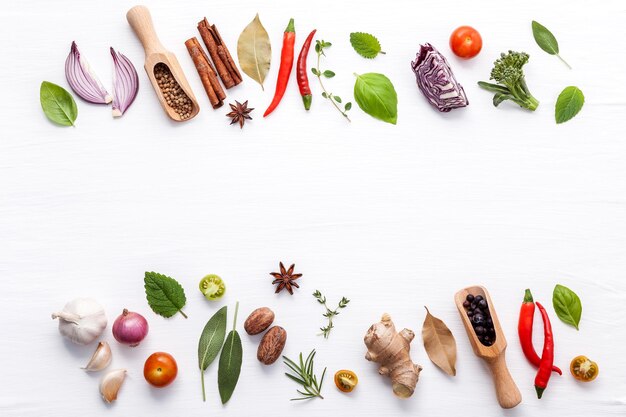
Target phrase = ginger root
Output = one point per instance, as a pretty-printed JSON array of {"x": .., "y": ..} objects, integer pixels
[{"x": 390, "y": 349}]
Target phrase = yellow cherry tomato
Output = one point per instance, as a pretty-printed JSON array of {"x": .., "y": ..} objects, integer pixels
[
  {"x": 584, "y": 369},
  {"x": 346, "y": 380}
]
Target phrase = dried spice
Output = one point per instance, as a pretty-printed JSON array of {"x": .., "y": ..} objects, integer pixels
[
  {"x": 206, "y": 72},
  {"x": 439, "y": 343},
  {"x": 173, "y": 94},
  {"x": 286, "y": 278},
  {"x": 224, "y": 63},
  {"x": 255, "y": 51},
  {"x": 240, "y": 113}
]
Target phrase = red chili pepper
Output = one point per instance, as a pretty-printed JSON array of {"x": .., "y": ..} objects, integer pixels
[
  {"x": 286, "y": 64},
  {"x": 547, "y": 357},
  {"x": 525, "y": 331},
  {"x": 302, "y": 73}
]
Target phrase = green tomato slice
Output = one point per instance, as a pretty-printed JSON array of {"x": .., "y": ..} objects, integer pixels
[{"x": 212, "y": 287}]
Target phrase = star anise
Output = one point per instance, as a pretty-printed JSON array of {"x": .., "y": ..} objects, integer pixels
[
  {"x": 286, "y": 278},
  {"x": 240, "y": 112}
]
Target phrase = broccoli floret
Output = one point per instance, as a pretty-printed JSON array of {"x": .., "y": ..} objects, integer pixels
[{"x": 507, "y": 72}]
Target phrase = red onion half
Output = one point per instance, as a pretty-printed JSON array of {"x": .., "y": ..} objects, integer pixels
[
  {"x": 83, "y": 80},
  {"x": 130, "y": 328},
  {"x": 125, "y": 83}
]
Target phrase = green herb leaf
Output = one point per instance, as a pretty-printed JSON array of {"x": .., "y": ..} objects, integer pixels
[
  {"x": 315, "y": 71},
  {"x": 376, "y": 96},
  {"x": 569, "y": 103},
  {"x": 365, "y": 44},
  {"x": 567, "y": 305},
  {"x": 57, "y": 104},
  {"x": 546, "y": 40},
  {"x": 328, "y": 74},
  {"x": 230, "y": 363},
  {"x": 337, "y": 99},
  {"x": 165, "y": 295},
  {"x": 348, "y": 106},
  {"x": 211, "y": 341}
]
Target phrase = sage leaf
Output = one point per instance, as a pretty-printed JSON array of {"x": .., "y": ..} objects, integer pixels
[
  {"x": 365, "y": 44},
  {"x": 546, "y": 40},
  {"x": 376, "y": 96},
  {"x": 255, "y": 51},
  {"x": 439, "y": 343},
  {"x": 58, "y": 105},
  {"x": 230, "y": 363},
  {"x": 568, "y": 104},
  {"x": 211, "y": 341},
  {"x": 567, "y": 305},
  {"x": 165, "y": 295}
]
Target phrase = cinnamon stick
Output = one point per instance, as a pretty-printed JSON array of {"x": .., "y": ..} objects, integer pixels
[
  {"x": 224, "y": 63},
  {"x": 206, "y": 72}
]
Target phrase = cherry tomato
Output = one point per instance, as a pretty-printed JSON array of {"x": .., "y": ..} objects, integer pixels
[
  {"x": 584, "y": 369},
  {"x": 466, "y": 42},
  {"x": 160, "y": 369},
  {"x": 346, "y": 380},
  {"x": 212, "y": 286}
]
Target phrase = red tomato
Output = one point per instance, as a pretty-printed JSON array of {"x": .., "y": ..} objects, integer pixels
[
  {"x": 466, "y": 42},
  {"x": 160, "y": 369}
]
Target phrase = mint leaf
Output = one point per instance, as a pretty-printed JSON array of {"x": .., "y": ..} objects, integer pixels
[
  {"x": 569, "y": 103},
  {"x": 365, "y": 44},
  {"x": 567, "y": 305},
  {"x": 164, "y": 294},
  {"x": 57, "y": 104}
]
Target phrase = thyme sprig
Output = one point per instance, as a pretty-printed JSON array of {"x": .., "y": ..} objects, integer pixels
[
  {"x": 320, "y": 45},
  {"x": 329, "y": 313},
  {"x": 304, "y": 375}
]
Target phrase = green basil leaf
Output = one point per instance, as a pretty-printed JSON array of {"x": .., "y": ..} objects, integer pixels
[
  {"x": 365, "y": 44},
  {"x": 569, "y": 103},
  {"x": 230, "y": 363},
  {"x": 58, "y": 105},
  {"x": 165, "y": 295},
  {"x": 546, "y": 40},
  {"x": 376, "y": 96},
  {"x": 567, "y": 305},
  {"x": 211, "y": 341}
]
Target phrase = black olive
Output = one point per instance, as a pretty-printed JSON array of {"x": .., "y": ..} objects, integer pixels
[
  {"x": 478, "y": 319},
  {"x": 478, "y": 311},
  {"x": 470, "y": 313},
  {"x": 473, "y": 306},
  {"x": 480, "y": 330},
  {"x": 478, "y": 298},
  {"x": 489, "y": 321},
  {"x": 469, "y": 298},
  {"x": 466, "y": 304},
  {"x": 482, "y": 304}
]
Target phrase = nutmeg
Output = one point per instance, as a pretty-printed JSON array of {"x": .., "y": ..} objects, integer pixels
[
  {"x": 259, "y": 320},
  {"x": 271, "y": 345}
]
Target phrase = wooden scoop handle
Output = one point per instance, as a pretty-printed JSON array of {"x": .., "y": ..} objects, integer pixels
[
  {"x": 506, "y": 390},
  {"x": 140, "y": 20}
]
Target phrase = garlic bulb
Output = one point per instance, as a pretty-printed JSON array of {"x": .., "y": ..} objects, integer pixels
[
  {"x": 100, "y": 359},
  {"x": 82, "y": 320},
  {"x": 111, "y": 383}
]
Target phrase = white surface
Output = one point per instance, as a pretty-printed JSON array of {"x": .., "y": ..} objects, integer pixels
[{"x": 394, "y": 217}]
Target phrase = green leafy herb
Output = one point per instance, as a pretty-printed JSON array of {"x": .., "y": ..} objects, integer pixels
[
  {"x": 546, "y": 41},
  {"x": 304, "y": 374},
  {"x": 57, "y": 104},
  {"x": 320, "y": 46},
  {"x": 329, "y": 313},
  {"x": 165, "y": 295},
  {"x": 376, "y": 96},
  {"x": 230, "y": 363},
  {"x": 567, "y": 305},
  {"x": 211, "y": 341},
  {"x": 568, "y": 104},
  {"x": 365, "y": 44}
]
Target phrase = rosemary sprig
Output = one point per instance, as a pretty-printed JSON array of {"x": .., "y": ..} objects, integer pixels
[
  {"x": 329, "y": 313},
  {"x": 304, "y": 375},
  {"x": 320, "y": 45}
]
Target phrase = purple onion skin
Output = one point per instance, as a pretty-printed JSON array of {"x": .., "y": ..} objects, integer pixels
[
  {"x": 130, "y": 328},
  {"x": 435, "y": 79}
]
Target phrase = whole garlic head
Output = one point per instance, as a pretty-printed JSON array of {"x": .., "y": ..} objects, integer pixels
[{"x": 82, "y": 320}]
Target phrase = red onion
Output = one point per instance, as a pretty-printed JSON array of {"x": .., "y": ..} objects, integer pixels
[
  {"x": 82, "y": 79},
  {"x": 125, "y": 83},
  {"x": 130, "y": 328}
]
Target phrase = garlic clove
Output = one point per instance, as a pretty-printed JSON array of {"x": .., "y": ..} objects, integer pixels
[
  {"x": 111, "y": 383},
  {"x": 100, "y": 359}
]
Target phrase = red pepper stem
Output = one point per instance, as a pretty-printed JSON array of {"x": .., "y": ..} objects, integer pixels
[
  {"x": 539, "y": 391},
  {"x": 528, "y": 297},
  {"x": 307, "y": 99},
  {"x": 291, "y": 27}
]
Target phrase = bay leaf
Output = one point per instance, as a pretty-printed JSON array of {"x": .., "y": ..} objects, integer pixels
[
  {"x": 439, "y": 343},
  {"x": 255, "y": 51},
  {"x": 211, "y": 341},
  {"x": 230, "y": 363}
]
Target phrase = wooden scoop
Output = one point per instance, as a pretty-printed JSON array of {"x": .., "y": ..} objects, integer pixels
[
  {"x": 507, "y": 392},
  {"x": 141, "y": 22}
]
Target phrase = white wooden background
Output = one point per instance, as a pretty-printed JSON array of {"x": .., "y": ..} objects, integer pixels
[{"x": 393, "y": 217}]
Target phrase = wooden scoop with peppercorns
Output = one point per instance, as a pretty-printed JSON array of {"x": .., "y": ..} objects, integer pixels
[
  {"x": 487, "y": 340},
  {"x": 163, "y": 69}
]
